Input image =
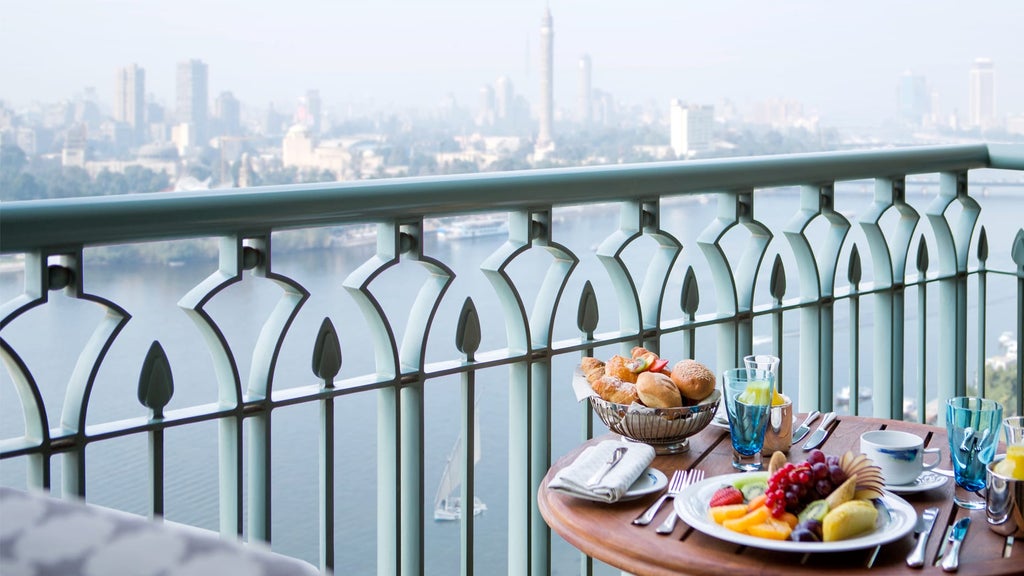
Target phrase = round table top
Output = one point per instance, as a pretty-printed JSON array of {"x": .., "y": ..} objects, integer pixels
[{"x": 605, "y": 531}]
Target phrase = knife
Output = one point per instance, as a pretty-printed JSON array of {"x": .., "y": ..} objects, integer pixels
[
  {"x": 952, "y": 560},
  {"x": 819, "y": 435},
  {"x": 805, "y": 427},
  {"x": 923, "y": 529}
]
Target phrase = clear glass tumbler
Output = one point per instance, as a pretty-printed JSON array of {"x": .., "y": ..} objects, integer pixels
[{"x": 748, "y": 400}]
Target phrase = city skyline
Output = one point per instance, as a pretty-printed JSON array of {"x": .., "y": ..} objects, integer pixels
[{"x": 828, "y": 58}]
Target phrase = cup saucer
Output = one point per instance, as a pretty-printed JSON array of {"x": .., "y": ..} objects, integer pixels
[{"x": 926, "y": 481}]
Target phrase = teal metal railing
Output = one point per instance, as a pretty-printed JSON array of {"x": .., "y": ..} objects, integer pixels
[{"x": 54, "y": 235}]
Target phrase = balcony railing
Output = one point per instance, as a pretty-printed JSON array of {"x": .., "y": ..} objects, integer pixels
[{"x": 551, "y": 304}]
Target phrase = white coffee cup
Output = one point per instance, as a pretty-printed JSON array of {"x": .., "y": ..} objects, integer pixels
[{"x": 900, "y": 455}]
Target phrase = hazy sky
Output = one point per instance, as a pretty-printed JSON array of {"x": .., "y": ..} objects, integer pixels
[{"x": 842, "y": 59}]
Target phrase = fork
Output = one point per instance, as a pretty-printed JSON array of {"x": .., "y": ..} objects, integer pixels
[
  {"x": 674, "y": 486},
  {"x": 669, "y": 524}
]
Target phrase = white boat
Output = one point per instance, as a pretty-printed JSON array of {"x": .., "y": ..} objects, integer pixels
[
  {"x": 447, "y": 501},
  {"x": 473, "y": 228}
]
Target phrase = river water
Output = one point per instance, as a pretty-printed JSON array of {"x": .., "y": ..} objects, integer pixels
[{"x": 49, "y": 337}]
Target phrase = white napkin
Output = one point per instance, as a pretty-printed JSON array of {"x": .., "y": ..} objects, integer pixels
[{"x": 573, "y": 478}]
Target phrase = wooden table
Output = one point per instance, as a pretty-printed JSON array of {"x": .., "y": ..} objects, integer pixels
[{"x": 605, "y": 531}]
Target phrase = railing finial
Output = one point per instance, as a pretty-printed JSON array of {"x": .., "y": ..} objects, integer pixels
[
  {"x": 327, "y": 353},
  {"x": 156, "y": 384}
]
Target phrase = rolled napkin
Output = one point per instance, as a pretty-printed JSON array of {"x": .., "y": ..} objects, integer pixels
[{"x": 573, "y": 478}]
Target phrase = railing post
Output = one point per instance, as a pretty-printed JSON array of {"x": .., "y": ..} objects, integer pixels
[
  {"x": 953, "y": 248},
  {"x": 817, "y": 278}
]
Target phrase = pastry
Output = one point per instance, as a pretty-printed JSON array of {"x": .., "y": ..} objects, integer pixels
[
  {"x": 618, "y": 366},
  {"x": 592, "y": 368},
  {"x": 615, "y": 390},
  {"x": 693, "y": 379},
  {"x": 658, "y": 391}
]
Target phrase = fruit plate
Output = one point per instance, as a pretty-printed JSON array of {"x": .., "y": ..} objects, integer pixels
[{"x": 896, "y": 518}]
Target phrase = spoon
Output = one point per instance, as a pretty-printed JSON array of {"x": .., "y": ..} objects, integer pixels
[{"x": 612, "y": 461}]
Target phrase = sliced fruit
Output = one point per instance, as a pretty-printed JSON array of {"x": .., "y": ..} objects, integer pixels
[
  {"x": 816, "y": 510},
  {"x": 844, "y": 493},
  {"x": 789, "y": 518},
  {"x": 869, "y": 476},
  {"x": 771, "y": 528},
  {"x": 743, "y": 523},
  {"x": 757, "y": 392},
  {"x": 848, "y": 520},
  {"x": 722, "y": 513},
  {"x": 752, "y": 490},
  {"x": 778, "y": 461},
  {"x": 658, "y": 365},
  {"x": 725, "y": 496},
  {"x": 757, "y": 501}
]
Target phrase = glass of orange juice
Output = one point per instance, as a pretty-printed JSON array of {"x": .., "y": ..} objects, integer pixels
[{"x": 1013, "y": 465}]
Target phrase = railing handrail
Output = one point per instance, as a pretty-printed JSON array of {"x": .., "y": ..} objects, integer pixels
[{"x": 70, "y": 222}]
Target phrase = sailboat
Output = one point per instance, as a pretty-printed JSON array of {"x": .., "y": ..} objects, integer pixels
[{"x": 448, "y": 500}]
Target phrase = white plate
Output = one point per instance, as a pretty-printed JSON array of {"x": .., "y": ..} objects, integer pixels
[
  {"x": 926, "y": 481},
  {"x": 692, "y": 507},
  {"x": 651, "y": 480}
]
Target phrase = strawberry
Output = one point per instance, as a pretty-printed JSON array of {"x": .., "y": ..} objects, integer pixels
[{"x": 725, "y": 496}]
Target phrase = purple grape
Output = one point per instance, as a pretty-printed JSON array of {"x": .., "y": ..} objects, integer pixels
[
  {"x": 815, "y": 456},
  {"x": 824, "y": 487},
  {"x": 832, "y": 460},
  {"x": 803, "y": 535},
  {"x": 813, "y": 526},
  {"x": 837, "y": 475},
  {"x": 819, "y": 470},
  {"x": 792, "y": 498}
]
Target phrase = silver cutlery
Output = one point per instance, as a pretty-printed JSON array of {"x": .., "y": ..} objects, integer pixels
[
  {"x": 818, "y": 436},
  {"x": 669, "y": 524},
  {"x": 951, "y": 561},
  {"x": 675, "y": 485},
  {"x": 805, "y": 426},
  {"x": 614, "y": 459},
  {"x": 923, "y": 529}
]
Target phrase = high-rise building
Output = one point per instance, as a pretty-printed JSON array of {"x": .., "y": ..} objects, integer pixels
[
  {"x": 914, "y": 99},
  {"x": 690, "y": 128},
  {"x": 193, "y": 95},
  {"x": 228, "y": 111},
  {"x": 485, "y": 115},
  {"x": 585, "y": 105},
  {"x": 547, "y": 100},
  {"x": 130, "y": 100},
  {"x": 503, "y": 97},
  {"x": 982, "y": 112},
  {"x": 313, "y": 108}
]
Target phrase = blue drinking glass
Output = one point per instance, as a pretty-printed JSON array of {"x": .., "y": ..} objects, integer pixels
[
  {"x": 973, "y": 427},
  {"x": 748, "y": 401}
]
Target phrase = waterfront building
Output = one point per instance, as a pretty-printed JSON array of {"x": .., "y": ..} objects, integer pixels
[
  {"x": 690, "y": 128},
  {"x": 982, "y": 105},
  {"x": 130, "y": 100},
  {"x": 229, "y": 114},
  {"x": 914, "y": 99},
  {"x": 586, "y": 109},
  {"x": 193, "y": 94}
]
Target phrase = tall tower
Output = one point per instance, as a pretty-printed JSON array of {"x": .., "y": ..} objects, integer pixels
[
  {"x": 193, "y": 95},
  {"x": 982, "y": 111},
  {"x": 130, "y": 100},
  {"x": 586, "y": 108},
  {"x": 547, "y": 40}
]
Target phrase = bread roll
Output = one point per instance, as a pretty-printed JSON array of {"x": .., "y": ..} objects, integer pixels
[
  {"x": 693, "y": 379},
  {"x": 617, "y": 366},
  {"x": 615, "y": 390},
  {"x": 658, "y": 391},
  {"x": 639, "y": 351}
]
